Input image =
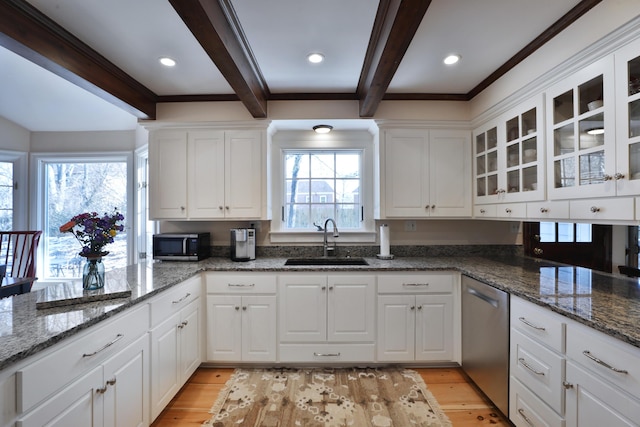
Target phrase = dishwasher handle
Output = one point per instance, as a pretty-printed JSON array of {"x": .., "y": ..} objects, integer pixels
[{"x": 494, "y": 302}]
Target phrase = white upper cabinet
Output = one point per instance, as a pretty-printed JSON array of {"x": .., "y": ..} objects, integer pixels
[
  {"x": 425, "y": 173},
  {"x": 627, "y": 66},
  {"x": 207, "y": 174},
  {"x": 581, "y": 135},
  {"x": 509, "y": 156}
]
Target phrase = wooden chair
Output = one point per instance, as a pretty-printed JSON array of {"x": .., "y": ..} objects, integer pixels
[{"x": 18, "y": 256}]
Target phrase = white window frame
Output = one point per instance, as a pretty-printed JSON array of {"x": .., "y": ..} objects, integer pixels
[
  {"x": 37, "y": 165},
  {"x": 21, "y": 185},
  {"x": 305, "y": 140}
]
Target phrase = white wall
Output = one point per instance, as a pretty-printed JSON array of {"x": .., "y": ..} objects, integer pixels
[
  {"x": 83, "y": 141},
  {"x": 13, "y": 136}
]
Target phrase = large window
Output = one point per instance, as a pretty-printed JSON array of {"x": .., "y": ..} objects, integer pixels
[
  {"x": 316, "y": 177},
  {"x": 320, "y": 185},
  {"x": 70, "y": 186},
  {"x": 6, "y": 196}
]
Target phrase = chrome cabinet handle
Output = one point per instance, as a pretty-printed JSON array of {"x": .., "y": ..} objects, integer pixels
[
  {"x": 413, "y": 307},
  {"x": 567, "y": 385},
  {"x": 507, "y": 210},
  {"x": 220, "y": 207},
  {"x": 526, "y": 322},
  {"x": 241, "y": 285},
  {"x": 618, "y": 176},
  {"x": 326, "y": 354},
  {"x": 594, "y": 209},
  {"x": 183, "y": 324},
  {"x": 607, "y": 177},
  {"x": 483, "y": 297},
  {"x": 101, "y": 390},
  {"x": 181, "y": 299},
  {"x": 544, "y": 210},
  {"x": 588, "y": 354},
  {"x": 237, "y": 308},
  {"x": 482, "y": 211},
  {"x": 112, "y": 381},
  {"x": 524, "y": 417},
  {"x": 104, "y": 347},
  {"x": 529, "y": 367},
  {"x": 538, "y": 251},
  {"x": 413, "y": 285}
]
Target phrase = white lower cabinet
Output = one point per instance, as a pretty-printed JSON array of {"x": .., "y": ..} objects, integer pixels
[
  {"x": 110, "y": 382},
  {"x": 241, "y": 317},
  {"x": 416, "y": 317},
  {"x": 241, "y": 328},
  {"x": 176, "y": 338},
  {"x": 603, "y": 380},
  {"x": 537, "y": 365},
  {"x": 326, "y": 318}
]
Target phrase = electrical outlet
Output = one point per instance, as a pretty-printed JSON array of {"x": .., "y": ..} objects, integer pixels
[
  {"x": 410, "y": 226},
  {"x": 515, "y": 227},
  {"x": 256, "y": 225}
]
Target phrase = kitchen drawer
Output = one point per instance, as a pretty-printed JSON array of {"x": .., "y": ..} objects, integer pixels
[
  {"x": 327, "y": 353},
  {"x": 618, "y": 209},
  {"x": 584, "y": 343},
  {"x": 173, "y": 300},
  {"x": 539, "y": 368},
  {"x": 484, "y": 211},
  {"x": 539, "y": 323},
  {"x": 557, "y": 209},
  {"x": 242, "y": 283},
  {"x": 526, "y": 409},
  {"x": 415, "y": 283},
  {"x": 512, "y": 210},
  {"x": 43, "y": 377}
]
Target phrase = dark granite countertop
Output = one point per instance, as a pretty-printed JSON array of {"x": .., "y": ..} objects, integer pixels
[{"x": 604, "y": 302}]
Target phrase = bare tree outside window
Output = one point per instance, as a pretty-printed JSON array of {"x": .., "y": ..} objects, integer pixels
[{"x": 74, "y": 188}]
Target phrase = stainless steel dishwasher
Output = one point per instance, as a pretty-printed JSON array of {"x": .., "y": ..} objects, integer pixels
[{"x": 485, "y": 339}]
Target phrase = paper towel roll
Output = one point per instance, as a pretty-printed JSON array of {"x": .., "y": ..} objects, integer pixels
[{"x": 384, "y": 240}]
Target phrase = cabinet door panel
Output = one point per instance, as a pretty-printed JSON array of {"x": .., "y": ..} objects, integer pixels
[
  {"x": 77, "y": 405},
  {"x": 592, "y": 402},
  {"x": 168, "y": 175},
  {"x": 434, "y": 327},
  {"x": 396, "y": 327},
  {"x": 303, "y": 308},
  {"x": 406, "y": 173},
  {"x": 351, "y": 308},
  {"x": 224, "y": 327},
  {"x": 243, "y": 174},
  {"x": 127, "y": 397},
  {"x": 165, "y": 375},
  {"x": 190, "y": 354},
  {"x": 259, "y": 328},
  {"x": 206, "y": 174},
  {"x": 449, "y": 171}
]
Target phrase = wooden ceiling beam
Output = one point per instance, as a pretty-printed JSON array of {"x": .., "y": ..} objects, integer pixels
[
  {"x": 395, "y": 26},
  {"x": 29, "y": 33},
  {"x": 214, "y": 25}
]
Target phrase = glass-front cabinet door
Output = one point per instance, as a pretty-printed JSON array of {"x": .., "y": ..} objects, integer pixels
[
  {"x": 627, "y": 67},
  {"x": 486, "y": 164},
  {"x": 508, "y": 156},
  {"x": 581, "y": 134}
]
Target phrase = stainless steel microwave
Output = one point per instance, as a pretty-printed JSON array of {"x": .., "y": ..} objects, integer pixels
[{"x": 181, "y": 247}]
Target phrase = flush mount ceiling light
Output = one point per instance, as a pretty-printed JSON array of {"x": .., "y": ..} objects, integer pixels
[
  {"x": 322, "y": 128},
  {"x": 452, "y": 59},
  {"x": 315, "y": 58},
  {"x": 167, "y": 62}
]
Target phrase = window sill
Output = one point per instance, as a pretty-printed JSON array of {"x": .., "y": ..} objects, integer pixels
[{"x": 318, "y": 236}]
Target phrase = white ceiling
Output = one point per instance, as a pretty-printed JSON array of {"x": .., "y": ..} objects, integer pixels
[{"x": 134, "y": 34}]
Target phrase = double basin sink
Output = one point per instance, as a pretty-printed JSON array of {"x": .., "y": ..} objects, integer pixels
[{"x": 327, "y": 261}]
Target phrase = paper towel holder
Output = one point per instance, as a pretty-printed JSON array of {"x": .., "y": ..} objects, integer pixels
[
  {"x": 380, "y": 256},
  {"x": 385, "y": 255}
]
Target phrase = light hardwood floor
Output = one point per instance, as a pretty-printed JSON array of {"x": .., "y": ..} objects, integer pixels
[{"x": 463, "y": 404}]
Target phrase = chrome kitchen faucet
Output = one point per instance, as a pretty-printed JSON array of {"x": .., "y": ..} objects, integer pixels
[{"x": 335, "y": 234}]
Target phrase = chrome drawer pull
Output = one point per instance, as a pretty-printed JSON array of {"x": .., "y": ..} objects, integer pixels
[
  {"x": 241, "y": 285},
  {"x": 526, "y": 322},
  {"x": 529, "y": 367},
  {"x": 588, "y": 354},
  {"x": 413, "y": 285},
  {"x": 524, "y": 417},
  {"x": 106, "y": 346},
  {"x": 181, "y": 299},
  {"x": 326, "y": 354}
]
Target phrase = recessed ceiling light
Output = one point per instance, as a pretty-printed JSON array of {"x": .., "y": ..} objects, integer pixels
[
  {"x": 167, "y": 62},
  {"x": 452, "y": 59},
  {"x": 315, "y": 58},
  {"x": 322, "y": 128}
]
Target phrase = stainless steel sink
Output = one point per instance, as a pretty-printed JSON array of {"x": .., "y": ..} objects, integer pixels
[{"x": 326, "y": 261}]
